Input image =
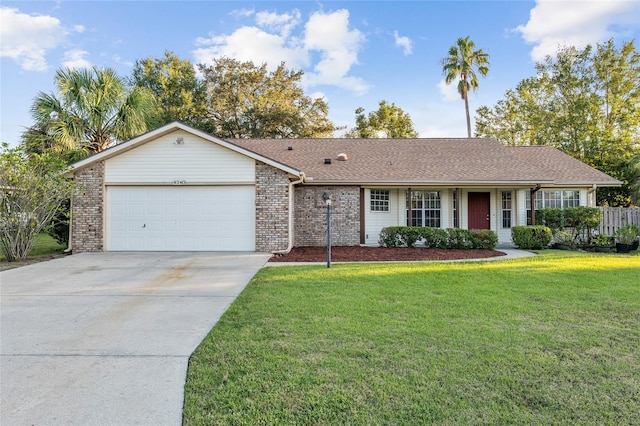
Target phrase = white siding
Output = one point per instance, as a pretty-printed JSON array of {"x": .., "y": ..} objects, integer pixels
[
  {"x": 374, "y": 221},
  {"x": 193, "y": 161},
  {"x": 504, "y": 234}
]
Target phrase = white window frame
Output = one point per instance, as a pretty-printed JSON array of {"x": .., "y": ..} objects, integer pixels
[
  {"x": 555, "y": 198},
  {"x": 506, "y": 207},
  {"x": 379, "y": 200},
  {"x": 429, "y": 204}
]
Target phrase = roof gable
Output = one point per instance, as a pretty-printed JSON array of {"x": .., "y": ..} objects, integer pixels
[{"x": 165, "y": 130}]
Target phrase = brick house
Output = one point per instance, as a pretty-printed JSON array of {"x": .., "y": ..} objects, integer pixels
[{"x": 179, "y": 189}]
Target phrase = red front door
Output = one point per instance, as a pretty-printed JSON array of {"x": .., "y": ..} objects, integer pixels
[{"x": 478, "y": 207}]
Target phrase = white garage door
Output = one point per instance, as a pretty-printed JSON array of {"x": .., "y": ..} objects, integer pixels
[{"x": 180, "y": 218}]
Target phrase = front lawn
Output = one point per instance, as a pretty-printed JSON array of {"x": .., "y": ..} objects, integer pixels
[{"x": 553, "y": 339}]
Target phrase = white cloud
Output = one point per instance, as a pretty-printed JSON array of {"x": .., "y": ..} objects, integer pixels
[
  {"x": 318, "y": 95},
  {"x": 75, "y": 59},
  {"x": 283, "y": 23},
  {"x": 79, "y": 28},
  {"x": 251, "y": 44},
  {"x": 242, "y": 13},
  {"x": 448, "y": 92},
  {"x": 329, "y": 33},
  {"x": 27, "y": 38},
  {"x": 575, "y": 23},
  {"x": 273, "y": 39},
  {"x": 404, "y": 42}
]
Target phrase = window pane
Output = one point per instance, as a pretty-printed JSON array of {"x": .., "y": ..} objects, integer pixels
[
  {"x": 506, "y": 209},
  {"x": 379, "y": 200},
  {"x": 506, "y": 218},
  {"x": 571, "y": 198}
]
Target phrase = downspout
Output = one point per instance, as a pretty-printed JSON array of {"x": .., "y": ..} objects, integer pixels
[
  {"x": 69, "y": 248},
  {"x": 290, "y": 244},
  {"x": 591, "y": 202}
]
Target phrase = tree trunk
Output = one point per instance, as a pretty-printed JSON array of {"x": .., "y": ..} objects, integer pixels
[{"x": 466, "y": 108}]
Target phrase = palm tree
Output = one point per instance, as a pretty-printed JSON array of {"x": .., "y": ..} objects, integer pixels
[
  {"x": 95, "y": 109},
  {"x": 460, "y": 63}
]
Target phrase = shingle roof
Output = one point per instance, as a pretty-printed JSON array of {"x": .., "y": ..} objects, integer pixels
[
  {"x": 423, "y": 161},
  {"x": 561, "y": 167}
]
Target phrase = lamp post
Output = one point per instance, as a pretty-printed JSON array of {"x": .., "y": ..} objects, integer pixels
[{"x": 327, "y": 200}]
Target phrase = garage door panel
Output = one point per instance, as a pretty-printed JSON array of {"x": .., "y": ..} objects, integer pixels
[{"x": 207, "y": 218}]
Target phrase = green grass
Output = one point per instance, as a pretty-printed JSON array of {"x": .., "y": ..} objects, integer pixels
[
  {"x": 553, "y": 339},
  {"x": 44, "y": 244}
]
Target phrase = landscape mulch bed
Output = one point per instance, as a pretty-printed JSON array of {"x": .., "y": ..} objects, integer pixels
[{"x": 380, "y": 254}]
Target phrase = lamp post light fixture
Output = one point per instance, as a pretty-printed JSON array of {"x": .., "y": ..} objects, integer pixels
[{"x": 327, "y": 200}]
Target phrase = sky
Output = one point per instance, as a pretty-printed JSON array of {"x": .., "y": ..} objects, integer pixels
[{"x": 353, "y": 53}]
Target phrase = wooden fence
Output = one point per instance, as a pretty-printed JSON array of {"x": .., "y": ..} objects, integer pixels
[{"x": 615, "y": 217}]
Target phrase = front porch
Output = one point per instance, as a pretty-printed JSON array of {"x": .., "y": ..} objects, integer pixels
[{"x": 497, "y": 209}]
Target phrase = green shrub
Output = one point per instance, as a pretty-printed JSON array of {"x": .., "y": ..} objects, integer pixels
[
  {"x": 435, "y": 237},
  {"x": 564, "y": 238},
  {"x": 601, "y": 240},
  {"x": 390, "y": 237},
  {"x": 451, "y": 238},
  {"x": 409, "y": 235},
  {"x": 59, "y": 227},
  {"x": 531, "y": 237},
  {"x": 552, "y": 217},
  {"x": 484, "y": 239},
  {"x": 459, "y": 238},
  {"x": 582, "y": 220}
]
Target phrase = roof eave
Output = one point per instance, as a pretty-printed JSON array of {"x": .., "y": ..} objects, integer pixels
[{"x": 404, "y": 183}]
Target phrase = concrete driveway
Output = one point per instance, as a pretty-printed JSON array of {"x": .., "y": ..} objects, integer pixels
[{"x": 105, "y": 338}]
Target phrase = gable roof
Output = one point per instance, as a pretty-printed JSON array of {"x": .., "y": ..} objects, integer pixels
[
  {"x": 453, "y": 161},
  {"x": 169, "y": 128}
]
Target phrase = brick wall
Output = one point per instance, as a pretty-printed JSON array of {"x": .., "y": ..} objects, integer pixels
[
  {"x": 311, "y": 216},
  {"x": 272, "y": 208},
  {"x": 87, "y": 210}
]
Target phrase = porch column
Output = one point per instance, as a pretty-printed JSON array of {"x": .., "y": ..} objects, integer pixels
[
  {"x": 458, "y": 207},
  {"x": 409, "y": 207},
  {"x": 532, "y": 202}
]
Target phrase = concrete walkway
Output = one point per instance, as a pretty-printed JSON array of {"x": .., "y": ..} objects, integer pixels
[{"x": 105, "y": 338}]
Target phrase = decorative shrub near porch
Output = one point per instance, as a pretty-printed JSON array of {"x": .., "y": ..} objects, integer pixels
[
  {"x": 581, "y": 221},
  {"x": 531, "y": 237},
  {"x": 450, "y": 238}
]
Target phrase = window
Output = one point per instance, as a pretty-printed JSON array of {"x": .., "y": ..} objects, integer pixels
[
  {"x": 506, "y": 209},
  {"x": 557, "y": 199},
  {"x": 570, "y": 199},
  {"x": 379, "y": 200},
  {"x": 425, "y": 208}
]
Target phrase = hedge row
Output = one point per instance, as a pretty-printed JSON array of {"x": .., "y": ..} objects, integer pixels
[{"x": 450, "y": 238}]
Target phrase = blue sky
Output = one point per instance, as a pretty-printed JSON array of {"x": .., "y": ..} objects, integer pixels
[{"x": 353, "y": 53}]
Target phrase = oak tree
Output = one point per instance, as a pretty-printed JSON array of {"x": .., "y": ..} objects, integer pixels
[{"x": 388, "y": 121}]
